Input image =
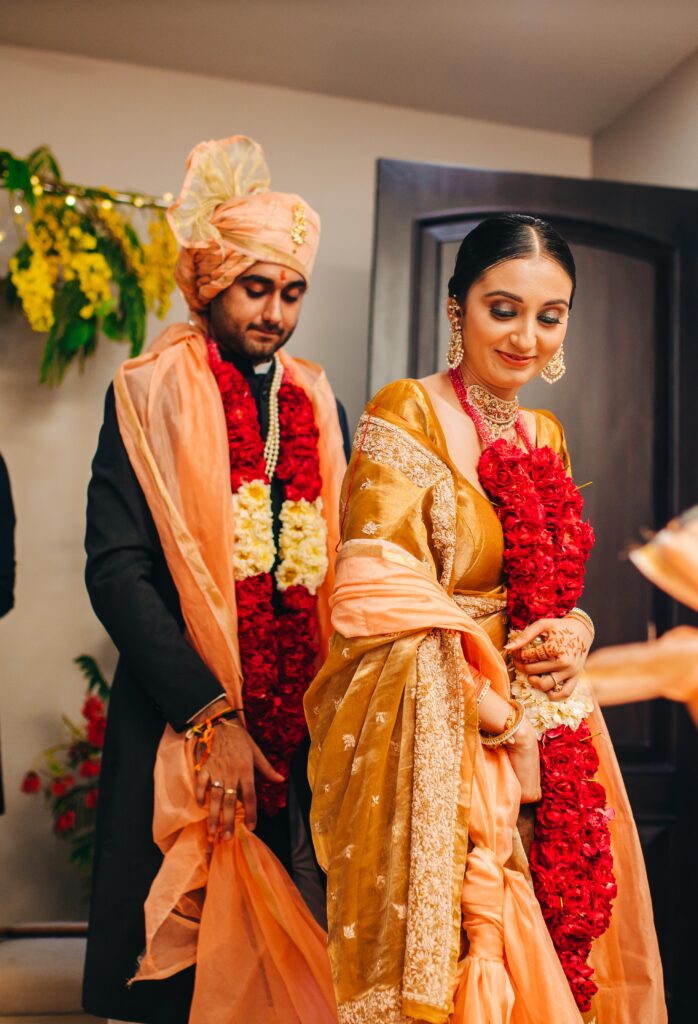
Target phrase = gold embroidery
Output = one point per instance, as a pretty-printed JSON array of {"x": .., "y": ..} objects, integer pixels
[
  {"x": 370, "y": 528},
  {"x": 299, "y": 230},
  {"x": 388, "y": 445},
  {"x": 383, "y": 1004},
  {"x": 477, "y": 607},
  {"x": 443, "y": 515},
  {"x": 438, "y": 746}
]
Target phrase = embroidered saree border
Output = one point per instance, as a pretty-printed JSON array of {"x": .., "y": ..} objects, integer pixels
[
  {"x": 478, "y": 607},
  {"x": 438, "y": 835},
  {"x": 379, "y": 1004},
  {"x": 389, "y": 445}
]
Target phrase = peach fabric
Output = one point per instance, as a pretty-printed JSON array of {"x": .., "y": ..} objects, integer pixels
[
  {"x": 172, "y": 423},
  {"x": 670, "y": 559},
  {"x": 226, "y": 219},
  {"x": 511, "y": 974},
  {"x": 626, "y": 961},
  {"x": 380, "y": 588}
]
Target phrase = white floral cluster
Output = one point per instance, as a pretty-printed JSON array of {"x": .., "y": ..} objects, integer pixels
[
  {"x": 302, "y": 545},
  {"x": 254, "y": 536},
  {"x": 545, "y": 714}
]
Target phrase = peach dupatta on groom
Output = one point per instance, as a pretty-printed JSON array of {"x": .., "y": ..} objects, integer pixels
[{"x": 231, "y": 909}]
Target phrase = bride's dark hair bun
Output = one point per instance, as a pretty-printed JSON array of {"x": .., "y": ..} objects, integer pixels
[{"x": 507, "y": 236}]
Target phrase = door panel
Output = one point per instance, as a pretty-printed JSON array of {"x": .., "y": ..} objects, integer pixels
[{"x": 627, "y": 404}]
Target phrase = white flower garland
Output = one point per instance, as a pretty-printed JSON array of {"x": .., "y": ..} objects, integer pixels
[
  {"x": 545, "y": 714},
  {"x": 254, "y": 535},
  {"x": 302, "y": 543}
]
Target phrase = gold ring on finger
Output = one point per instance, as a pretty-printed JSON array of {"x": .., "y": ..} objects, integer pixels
[
  {"x": 556, "y": 685},
  {"x": 230, "y": 792},
  {"x": 217, "y": 785}
]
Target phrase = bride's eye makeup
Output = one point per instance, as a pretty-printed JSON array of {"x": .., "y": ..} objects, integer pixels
[
  {"x": 550, "y": 318},
  {"x": 502, "y": 314}
]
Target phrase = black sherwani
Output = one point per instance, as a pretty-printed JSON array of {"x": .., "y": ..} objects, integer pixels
[{"x": 160, "y": 679}]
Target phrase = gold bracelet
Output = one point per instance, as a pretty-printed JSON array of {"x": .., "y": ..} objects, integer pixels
[
  {"x": 581, "y": 615},
  {"x": 510, "y": 729}
]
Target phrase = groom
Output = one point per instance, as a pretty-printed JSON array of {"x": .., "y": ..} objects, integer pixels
[{"x": 244, "y": 268}]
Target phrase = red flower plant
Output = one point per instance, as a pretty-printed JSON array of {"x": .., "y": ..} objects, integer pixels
[
  {"x": 70, "y": 771},
  {"x": 277, "y": 630},
  {"x": 546, "y": 546}
]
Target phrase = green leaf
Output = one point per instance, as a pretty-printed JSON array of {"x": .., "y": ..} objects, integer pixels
[
  {"x": 23, "y": 256},
  {"x": 113, "y": 326},
  {"x": 67, "y": 334},
  {"x": 78, "y": 334},
  {"x": 93, "y": 674},
  {"x": 41, "y": 160},
  {"x": 17, "y": 175},
  {"x": 134, "y": 307}
]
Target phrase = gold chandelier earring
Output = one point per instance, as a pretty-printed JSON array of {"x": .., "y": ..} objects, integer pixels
[
  {"x": 455, "y": 343},
  {"x": 555, "y": 368}
]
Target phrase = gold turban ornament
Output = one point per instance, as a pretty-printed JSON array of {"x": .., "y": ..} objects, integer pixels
[{"x": 226, "y": 219}]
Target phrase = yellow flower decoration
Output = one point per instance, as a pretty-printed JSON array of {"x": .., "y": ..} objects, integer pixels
[{"x": 34, "y": 286}]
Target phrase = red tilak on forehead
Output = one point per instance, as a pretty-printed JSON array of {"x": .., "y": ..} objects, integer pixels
[{"x": 283, "y": 275}]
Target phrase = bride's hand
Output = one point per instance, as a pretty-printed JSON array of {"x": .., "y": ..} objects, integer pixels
[
  {"x": 564, "y": 651},
  {"x": 493, "y": 714},
  {"x": 525, "y": 760}
]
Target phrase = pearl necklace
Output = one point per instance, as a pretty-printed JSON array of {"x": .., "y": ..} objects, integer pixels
[{"x": 273, "y": 442}]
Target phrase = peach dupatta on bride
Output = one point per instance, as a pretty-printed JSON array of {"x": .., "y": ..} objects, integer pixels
[
  {"x": 463, "y": 796},
  {"x": 404, "y": 794},
  {"x": 231, "y": 909}
]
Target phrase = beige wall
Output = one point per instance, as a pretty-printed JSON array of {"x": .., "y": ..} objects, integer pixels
[
  {"x": 132, "y": 127},
  {"x": 655, "y": 142}
]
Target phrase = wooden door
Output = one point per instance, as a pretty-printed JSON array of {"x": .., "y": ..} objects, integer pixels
[{"x": 630, "y": 410}]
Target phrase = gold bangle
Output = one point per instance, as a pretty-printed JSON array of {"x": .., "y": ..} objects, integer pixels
[
  {"x": 581, "y": 615},
  {"x": 509, "y": 731}
]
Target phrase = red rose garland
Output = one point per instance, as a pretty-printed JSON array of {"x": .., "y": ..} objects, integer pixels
[
  {"x": 546, "y": 543},
  {"x": 277, "y": 629},
  {"x": 546, "y": 546}
]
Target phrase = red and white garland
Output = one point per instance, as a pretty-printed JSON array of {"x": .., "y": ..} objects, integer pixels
[
  {"x": 277, "y": 625},
  {"x": 546, "y": 546}
]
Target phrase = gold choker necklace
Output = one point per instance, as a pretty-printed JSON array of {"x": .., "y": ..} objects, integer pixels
[{"x": 499, "y": 414}]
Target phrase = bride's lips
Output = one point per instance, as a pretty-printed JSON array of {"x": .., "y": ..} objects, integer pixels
[{"x": 512, "y": 360}]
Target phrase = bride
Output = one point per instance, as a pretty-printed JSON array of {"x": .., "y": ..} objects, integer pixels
[{"x": 482, "y": 862}]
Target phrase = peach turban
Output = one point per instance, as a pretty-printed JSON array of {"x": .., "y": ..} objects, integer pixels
[{"x": 225, "y": 219}]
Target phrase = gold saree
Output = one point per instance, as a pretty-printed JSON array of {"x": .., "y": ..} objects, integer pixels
[{"x": 404, "y": 794}]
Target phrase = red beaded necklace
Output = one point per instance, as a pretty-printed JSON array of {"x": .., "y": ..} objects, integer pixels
[{"x": 483, "y": 430}]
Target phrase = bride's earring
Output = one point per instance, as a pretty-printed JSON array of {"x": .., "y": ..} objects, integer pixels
[
  {"x": 455, "y": 343},
  {"x": 555, "y": 368}
]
